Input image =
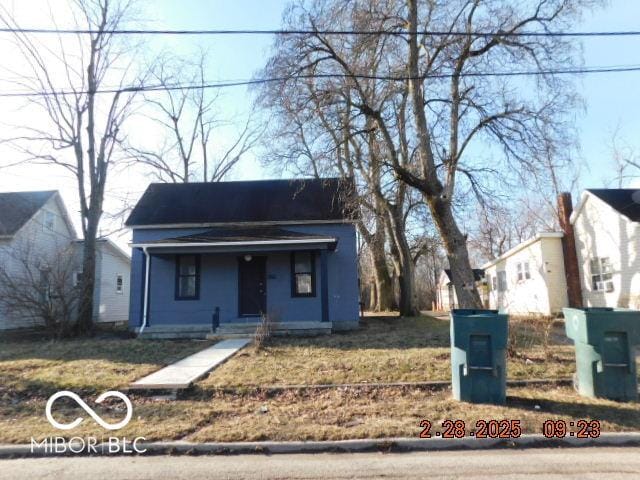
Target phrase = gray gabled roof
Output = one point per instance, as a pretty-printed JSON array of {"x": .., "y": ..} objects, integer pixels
[
  {"x": 623, "y": 200},
  {"x": 301, "y": 200},
  {"x": 16, "y": 208}
]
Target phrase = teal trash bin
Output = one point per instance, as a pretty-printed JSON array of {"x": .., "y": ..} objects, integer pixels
[
  {"x": 605, "y": 340},
  {"x": 478, "y": 355}
]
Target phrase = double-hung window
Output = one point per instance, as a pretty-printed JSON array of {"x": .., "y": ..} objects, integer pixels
[
  {"x": 502, "y": 281},
  {"x": 303, "y": 282},
  {"x": 187, "y": 277},
  {"x": 119, "y": 283},
  {"x": 601, "y": 274},
  {"x": 523, "y": 271}
]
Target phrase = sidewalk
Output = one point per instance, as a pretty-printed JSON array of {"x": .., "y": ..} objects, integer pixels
[{"x": 183, "y": 373}]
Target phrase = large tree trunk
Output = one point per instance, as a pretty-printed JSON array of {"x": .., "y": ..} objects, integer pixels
[
  {"x": 406, "y": 282},
  {"x": 85, "y": 308},
  {"x": 455, "y": 244},
  {"x": 438, "y": 200},
  {"x": 383, "y": 285}
]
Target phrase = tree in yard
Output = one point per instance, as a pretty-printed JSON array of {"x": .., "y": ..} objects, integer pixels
[
  {"x": 188, "y": 119},
  {"x": 448, "y": 125},
  {"x": 81, "y": 128}
]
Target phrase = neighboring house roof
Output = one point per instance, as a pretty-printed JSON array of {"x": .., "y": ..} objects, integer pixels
[
  {"x": 195, "y": 204},
  {"x": 111, "y": 244},
  {"x": 233, "y": 235},
  {"x": 17, "y": 208},
  {"x": 625, "y": 201},
  {"x": 478, "y": 274},
  {"x": 522, "y": 246}
]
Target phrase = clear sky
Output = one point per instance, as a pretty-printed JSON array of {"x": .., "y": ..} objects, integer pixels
[{"x": 612, "y": 101}]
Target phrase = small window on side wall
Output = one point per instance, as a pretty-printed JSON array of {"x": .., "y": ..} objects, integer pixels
[
  {"x": 119, "y": 283},
  {"x": 187, "y": 277},
  {"x": 49, "y": 221},
  {"x": 303, "y": 282}
]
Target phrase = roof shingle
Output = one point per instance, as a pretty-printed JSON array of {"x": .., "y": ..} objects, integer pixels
[
  {"x": 243, "y": 202},
  {"x": 16, "y": 208}
]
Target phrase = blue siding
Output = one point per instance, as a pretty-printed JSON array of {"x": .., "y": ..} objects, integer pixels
[{"x": 219, "y": 283}]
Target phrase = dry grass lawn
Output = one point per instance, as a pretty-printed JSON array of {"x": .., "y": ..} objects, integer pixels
[
  {"x": 325, "y": 414},
  {"x": 385, "y": 350}
]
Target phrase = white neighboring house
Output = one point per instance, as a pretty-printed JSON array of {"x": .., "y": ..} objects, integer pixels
[
  {"x": 113, "y": 272},
  {"x": 32, "y": 224},
  {"x": 446, "y": 294},
  {"x": 529, "y": 278},
  {"x": 607, "y": 231},
  {"x": 38, "y": 223}
]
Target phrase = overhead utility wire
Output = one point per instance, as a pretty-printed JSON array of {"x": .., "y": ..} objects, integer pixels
[
  {"x": 258, "y": 81},
  {"x": 438, "y": 33}
]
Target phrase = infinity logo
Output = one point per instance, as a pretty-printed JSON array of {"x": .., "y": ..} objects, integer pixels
[{"x": 89, "y": 410}]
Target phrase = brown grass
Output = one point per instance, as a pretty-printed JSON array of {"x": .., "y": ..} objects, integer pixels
[
  {"x": 317, "y": 414},
  {"x": 384, "y": 350}
]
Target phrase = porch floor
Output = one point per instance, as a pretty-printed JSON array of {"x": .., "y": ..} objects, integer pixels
[{"x": 183, "y": 373}]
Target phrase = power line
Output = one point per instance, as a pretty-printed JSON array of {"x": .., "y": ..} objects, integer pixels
[
  {"x": 259, "y": 81},
  {"x": 435, "y": 33}
]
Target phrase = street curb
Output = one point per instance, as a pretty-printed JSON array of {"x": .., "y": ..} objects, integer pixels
[{"x": 341, "y": 446}]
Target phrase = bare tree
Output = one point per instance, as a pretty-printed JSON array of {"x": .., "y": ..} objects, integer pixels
[
  {"x": 625, "y": 160},
  {"x": 189, "y": 118},
  {"x": 82, "y": 127},
  {"x": 434, "y": 143},
  {"x": 39, "y": 289}
]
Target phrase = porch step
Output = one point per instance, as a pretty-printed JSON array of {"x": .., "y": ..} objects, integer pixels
[
  {"x": 232, "y": 330},
  {"x": 160, "y": 332}
]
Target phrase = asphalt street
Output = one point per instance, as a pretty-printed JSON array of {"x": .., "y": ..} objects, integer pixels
[{"x": 583, "y": 463}]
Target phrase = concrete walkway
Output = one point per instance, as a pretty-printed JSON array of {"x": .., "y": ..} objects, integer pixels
[{"x": 186, "y": 371}]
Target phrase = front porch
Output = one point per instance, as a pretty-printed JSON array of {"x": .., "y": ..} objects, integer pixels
[{"x": 223, "y": 282}]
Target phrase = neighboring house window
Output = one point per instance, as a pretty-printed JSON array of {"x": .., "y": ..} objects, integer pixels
[
  {"x": 187, "y": 277},
  {"x": 49, "y": 222},
  {"x": 601, "y": 274},
  {"x": 494, "y": 283},
  {"x": 523, "y": 271},
  {"x": 77, "y": 278},
  {"x": 303, "y": 274},
  {"x": 502, "y": 281},
  {"x": 119, "y": 283},
  {"x": 45, "y": 284}
]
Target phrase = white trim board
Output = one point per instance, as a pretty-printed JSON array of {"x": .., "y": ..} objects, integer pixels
[
  {"x": 231, "y": 244},
  {"x": 240, "y": 224}
]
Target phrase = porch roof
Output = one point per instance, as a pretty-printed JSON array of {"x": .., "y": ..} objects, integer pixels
[{"x": 249, "y": 237}]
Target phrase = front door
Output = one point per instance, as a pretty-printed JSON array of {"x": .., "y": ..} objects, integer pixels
[{"x": 252, "y": 285}]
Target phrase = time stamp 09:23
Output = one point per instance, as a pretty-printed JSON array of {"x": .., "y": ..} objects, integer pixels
[{"x": 509, "y": 429}]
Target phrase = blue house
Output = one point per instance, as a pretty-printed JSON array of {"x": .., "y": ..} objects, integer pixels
[{"x": 216, "y": 257}]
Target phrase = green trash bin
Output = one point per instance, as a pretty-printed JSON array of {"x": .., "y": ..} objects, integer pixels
[
  {"x": 605, "y": 340},
  {"x": 478, "y": 355}
]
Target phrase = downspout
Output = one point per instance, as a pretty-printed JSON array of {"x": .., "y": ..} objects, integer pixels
[{"x": 145, "y": 307}]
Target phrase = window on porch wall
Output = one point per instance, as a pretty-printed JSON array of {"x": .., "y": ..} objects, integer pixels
[
  {"x": 303, "y": 274},
  {"x": 187, "y": 277}
]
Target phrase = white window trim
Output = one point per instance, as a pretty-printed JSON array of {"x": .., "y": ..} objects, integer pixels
[{"x": 604, "y": 285}]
